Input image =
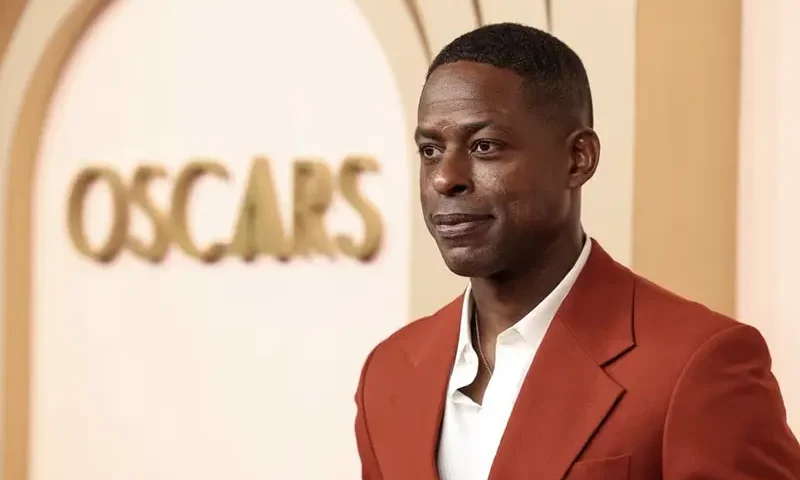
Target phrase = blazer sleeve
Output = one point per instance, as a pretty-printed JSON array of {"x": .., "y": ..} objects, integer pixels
[
  {"x": 726, "y": 418},
  {"x": 369, "y": 463}
]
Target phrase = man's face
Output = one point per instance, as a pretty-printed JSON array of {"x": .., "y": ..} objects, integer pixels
[{"x": 495, "y": 174}]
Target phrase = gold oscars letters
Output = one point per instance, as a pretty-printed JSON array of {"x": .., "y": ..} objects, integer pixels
[{"x": 259, "y": 229}]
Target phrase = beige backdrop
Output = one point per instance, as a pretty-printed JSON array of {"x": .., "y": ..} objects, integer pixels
[
  {"x": 687, "y": 103},
  {"x": 768, "y": 257},
  {"x": 668, "y": 210}
]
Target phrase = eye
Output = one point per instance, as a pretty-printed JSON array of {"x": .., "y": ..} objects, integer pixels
[
  {"x": 485, "y": 147},
  {"x": 429, "y": 152}
]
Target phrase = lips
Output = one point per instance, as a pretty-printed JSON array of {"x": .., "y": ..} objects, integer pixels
[{"x": 455, "y": 225}]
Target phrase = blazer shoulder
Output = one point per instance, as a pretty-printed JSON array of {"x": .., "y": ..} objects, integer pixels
[
  {"x": 674, "y": 316},
  {"x": 397, "y": 346}
]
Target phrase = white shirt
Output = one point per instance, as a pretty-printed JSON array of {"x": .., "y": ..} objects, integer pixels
[{"x": 471, "y": 433}]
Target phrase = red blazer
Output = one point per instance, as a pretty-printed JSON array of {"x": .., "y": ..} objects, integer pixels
[{"x": 630, "y": 382}]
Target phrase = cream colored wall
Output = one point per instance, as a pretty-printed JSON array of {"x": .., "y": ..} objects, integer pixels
[
  {"x": 769, "y": 223},
  {"x": 684, "y": 222},
  {"x": 35, "y": 26},
  {"x": 218, "y": 361}
]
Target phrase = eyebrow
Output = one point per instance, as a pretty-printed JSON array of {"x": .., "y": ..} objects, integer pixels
[{"x": 467, "y": 128}]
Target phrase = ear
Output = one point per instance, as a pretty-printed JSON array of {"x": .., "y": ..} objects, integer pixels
[{"x": 584, "y": 148}]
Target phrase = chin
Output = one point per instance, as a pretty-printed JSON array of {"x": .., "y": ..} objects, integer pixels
[{"x": 468, "y": 262}]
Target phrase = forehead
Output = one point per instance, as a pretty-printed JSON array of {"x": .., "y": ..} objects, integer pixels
[{"x": 468, "y": 91}]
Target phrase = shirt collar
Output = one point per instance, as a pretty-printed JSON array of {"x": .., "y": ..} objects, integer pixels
[{"x": 532, "y": 326}]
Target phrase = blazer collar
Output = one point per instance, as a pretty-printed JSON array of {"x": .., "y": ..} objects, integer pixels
[
  {"x": 567, "y": 395},
  {"x": 598, "y": 311}
]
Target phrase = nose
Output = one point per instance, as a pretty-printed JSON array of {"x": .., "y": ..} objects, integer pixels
[{"x": 453, "y": 175}]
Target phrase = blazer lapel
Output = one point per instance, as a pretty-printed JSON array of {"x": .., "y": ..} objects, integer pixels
[
  {"x": 420, "y": 405},
  {"x": 567, "y": 395}
]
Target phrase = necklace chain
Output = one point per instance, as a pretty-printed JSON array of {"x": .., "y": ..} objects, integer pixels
[{"x": 478, "y": 338}]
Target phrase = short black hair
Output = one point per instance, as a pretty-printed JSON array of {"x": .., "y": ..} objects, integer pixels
[{"x": 553, "y": 73}]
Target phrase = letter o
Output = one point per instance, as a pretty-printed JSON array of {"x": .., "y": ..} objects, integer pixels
[{"x": 76, "y": 209}]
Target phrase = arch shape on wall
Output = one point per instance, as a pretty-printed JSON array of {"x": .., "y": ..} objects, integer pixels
[
  {"x": 17, "y": 346},
  {"x": 407, "y": 63}
]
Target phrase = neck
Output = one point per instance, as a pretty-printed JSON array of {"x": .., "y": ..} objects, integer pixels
[{"x": 503, "y": 299}]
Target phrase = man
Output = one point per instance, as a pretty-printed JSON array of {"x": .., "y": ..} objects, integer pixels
[{"x": 557, "y": 362}]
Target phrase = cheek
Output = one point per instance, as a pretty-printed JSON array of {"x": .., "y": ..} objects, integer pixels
[
  {"x": 526, "y": 210},
  {"x": 498, "y": 179},
  {"x": 531, "y": 204},
  {"x": 524, "y": 194},
  {"x": 531, "y": 194}
]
